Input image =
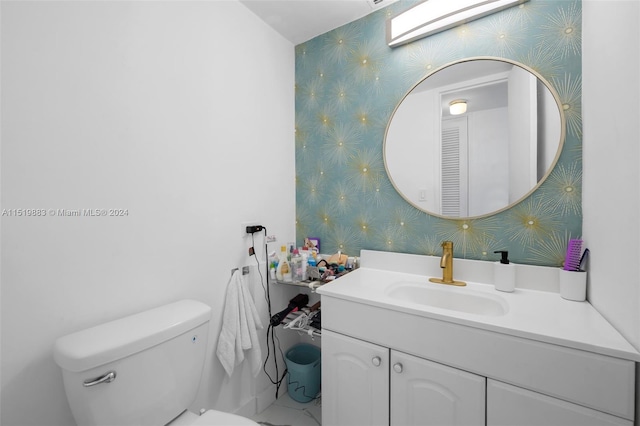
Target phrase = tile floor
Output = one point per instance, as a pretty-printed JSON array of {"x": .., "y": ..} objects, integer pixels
[{"x": 287, "y": 412}]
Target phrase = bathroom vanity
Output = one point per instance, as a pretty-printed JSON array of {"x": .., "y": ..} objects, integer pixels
[{"x": 398, "y": 350}]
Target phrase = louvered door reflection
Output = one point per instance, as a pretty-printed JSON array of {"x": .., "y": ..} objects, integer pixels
[{"x": 454, "y": 175}]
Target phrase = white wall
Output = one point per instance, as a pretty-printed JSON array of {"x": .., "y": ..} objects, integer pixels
[
  {"x": 522, "y": 133},
  {"x": 180, "y": 112},
  {"x": 611, "y": 181},
  {"x": 415, "y": 129},
  {"x": 611, "y": 194},
  {"x": 548, "y": 130},
  {"x": 488, "y": 161}
]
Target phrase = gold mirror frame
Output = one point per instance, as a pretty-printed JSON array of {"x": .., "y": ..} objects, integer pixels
[{"x": 534, "y": 188}]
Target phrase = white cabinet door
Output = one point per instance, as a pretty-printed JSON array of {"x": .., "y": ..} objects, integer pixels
[
  {"x": 427, "y": 393},
  {"x": 512, "y": 406},
  {"x": 355, "y": 381}
]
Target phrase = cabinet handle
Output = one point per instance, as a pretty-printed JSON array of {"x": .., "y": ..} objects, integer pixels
[
  {"x": 397, "y": 367},
  {"x": 376, "y": 360}
]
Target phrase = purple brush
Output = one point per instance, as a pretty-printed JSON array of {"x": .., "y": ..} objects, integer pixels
[{"x": 574, "y": 251}]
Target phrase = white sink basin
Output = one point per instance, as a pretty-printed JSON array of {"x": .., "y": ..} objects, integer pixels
[{"x": 453, "y": 299}]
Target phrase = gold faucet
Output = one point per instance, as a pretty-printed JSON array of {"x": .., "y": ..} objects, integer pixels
[{"x": 446, "y": 263}]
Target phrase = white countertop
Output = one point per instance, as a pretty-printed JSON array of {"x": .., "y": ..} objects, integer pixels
[{"x": 538, "y": 315}]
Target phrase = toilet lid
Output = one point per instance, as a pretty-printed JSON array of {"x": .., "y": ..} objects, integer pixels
[{"x": 218, "y": 418}]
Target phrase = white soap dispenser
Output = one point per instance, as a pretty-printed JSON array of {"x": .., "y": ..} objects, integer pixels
[{"x": 504, "y": 273}]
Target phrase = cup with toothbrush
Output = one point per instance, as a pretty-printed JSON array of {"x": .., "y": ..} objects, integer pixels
[{"x": 573, "y": 277}]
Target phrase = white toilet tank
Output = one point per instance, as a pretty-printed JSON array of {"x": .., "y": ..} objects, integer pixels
[{"x": 149, "y": 366}]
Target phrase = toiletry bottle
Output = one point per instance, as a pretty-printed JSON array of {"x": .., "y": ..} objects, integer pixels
[
  {"x": 504, "y": 273},
  {"x": 305, "y": 262},
  {"x": 283, "y": 273},
  {"x": 296, "y": 266},
  {"x": 272, "y": 270},
  {"x": 312, "y": 260},
  {"x": 279, "y": 265}
]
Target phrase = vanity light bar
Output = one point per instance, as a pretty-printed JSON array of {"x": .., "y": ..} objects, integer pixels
[{"x": 432, "y": 16}]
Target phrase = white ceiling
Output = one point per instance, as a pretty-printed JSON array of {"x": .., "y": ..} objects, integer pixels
[{"x": 302, "y": 20}]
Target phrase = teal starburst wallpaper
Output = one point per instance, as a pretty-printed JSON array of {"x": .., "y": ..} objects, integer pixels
[{"x": 348, "y": 83}]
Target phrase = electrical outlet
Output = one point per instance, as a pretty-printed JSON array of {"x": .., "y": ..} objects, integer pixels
[
  {"x": 243, "y": 227},
  {"x": 271, "y": 238}
]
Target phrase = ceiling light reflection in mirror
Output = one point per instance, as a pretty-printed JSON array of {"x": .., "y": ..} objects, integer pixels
[{"x": 457, "y": 107}]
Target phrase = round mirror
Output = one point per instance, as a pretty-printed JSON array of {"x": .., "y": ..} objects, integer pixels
[{"x": 473, "y": 138}]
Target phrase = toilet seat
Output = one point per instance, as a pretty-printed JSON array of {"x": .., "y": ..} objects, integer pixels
[{"x": 219, "y": 418}]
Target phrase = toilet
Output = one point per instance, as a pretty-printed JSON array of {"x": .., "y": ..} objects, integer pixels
[{"x": 144, "y": 369}]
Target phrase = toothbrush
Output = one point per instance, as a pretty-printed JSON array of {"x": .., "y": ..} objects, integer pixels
[{"x": 572, "y": 259}]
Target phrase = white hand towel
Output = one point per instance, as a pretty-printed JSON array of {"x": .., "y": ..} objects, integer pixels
[
  {"x": 252, "y": 320},
  {"x": 239, "y": 323},
  {"x": 229, "y": 350}
]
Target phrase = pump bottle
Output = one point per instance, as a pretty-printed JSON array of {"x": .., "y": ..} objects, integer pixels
[
  {"x": 283, "y": 272},
  {"x": 504, "y": 273}
]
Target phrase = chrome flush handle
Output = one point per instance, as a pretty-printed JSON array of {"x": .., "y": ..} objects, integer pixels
[{"x": 107, "y": 378}]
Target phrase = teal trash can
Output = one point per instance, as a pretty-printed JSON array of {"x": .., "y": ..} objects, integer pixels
[{"x": 303, "y": 378}]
